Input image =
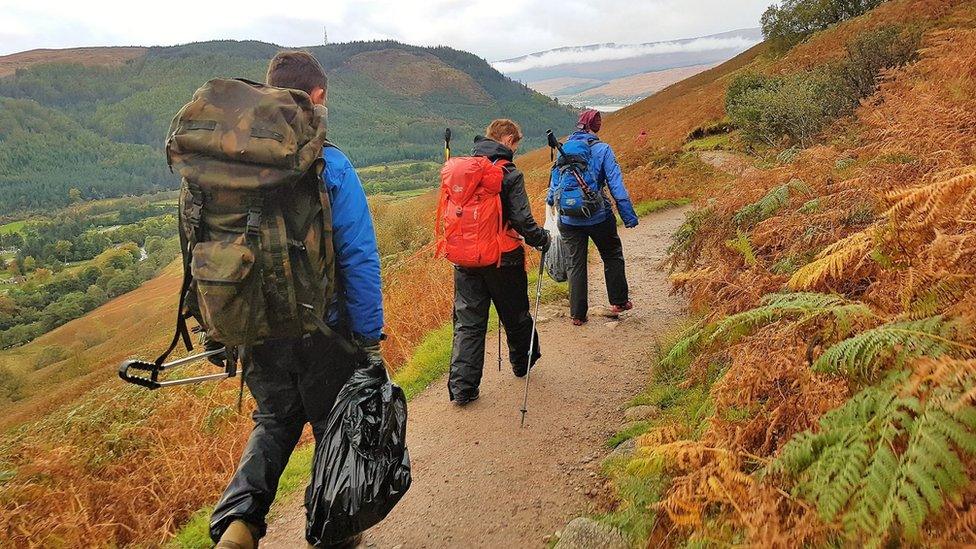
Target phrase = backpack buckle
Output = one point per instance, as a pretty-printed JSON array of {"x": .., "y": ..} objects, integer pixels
[
  {"x": 253, "y": 222},
  {"x": 194, "y": 213}
]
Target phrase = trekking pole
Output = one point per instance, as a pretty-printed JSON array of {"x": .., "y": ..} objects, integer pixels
[
  {"x": 499, "y": 344},
  {"x": 535, "y": 320},
  {"x": 447, "y": 144}
]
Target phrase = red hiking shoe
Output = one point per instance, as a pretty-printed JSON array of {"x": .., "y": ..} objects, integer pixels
[
  {"x": 617, "y": 309},
  {"x": 579, "y": 321}
]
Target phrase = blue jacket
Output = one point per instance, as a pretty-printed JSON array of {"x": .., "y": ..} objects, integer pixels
[
  {"x": 607, "y": 174},
  {"x": 358, "y": 304}
]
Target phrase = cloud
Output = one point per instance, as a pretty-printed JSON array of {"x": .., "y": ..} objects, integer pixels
[
  {"x": 610, "y": 52},
  {"x": 492, "y": 29}
]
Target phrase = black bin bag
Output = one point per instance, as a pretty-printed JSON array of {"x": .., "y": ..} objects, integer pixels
[{"x": 362, "y": 467}]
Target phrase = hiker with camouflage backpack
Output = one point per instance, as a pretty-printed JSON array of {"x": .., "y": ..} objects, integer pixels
[{"x": 281, "y": 264}]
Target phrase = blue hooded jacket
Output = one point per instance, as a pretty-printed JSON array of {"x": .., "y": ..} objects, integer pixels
[
  {"x": 358, "y": 303},
  {"x": 607, "y": 174}
]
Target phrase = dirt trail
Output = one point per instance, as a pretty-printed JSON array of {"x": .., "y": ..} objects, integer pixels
[{"x": 479, "y": 480}]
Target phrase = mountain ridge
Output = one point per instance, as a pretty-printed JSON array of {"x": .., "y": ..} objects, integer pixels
[
  {"x": 614, "y": 75},
  {"x": 119, "y": 104}
]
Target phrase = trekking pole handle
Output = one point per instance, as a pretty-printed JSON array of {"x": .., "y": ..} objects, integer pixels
[
  {"x": 554, "y": 143},
  {"x": 447, "y": 144}
]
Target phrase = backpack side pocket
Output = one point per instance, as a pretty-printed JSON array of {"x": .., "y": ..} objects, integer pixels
[{"x": 228, "y": 285}]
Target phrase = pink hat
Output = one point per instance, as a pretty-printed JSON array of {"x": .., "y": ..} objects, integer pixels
[{"x": 590, "y": 120}]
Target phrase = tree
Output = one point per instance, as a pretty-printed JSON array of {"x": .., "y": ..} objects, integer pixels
[
  {"x": 74, "y": 195},
  {"x": 29, "y": 264},
  {"x": 42, "y": 275},
  {"x": 62, "y": 248}
]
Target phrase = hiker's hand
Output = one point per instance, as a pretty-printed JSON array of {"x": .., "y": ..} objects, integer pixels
[
  {"x": 374, "y": 355},
  {"x": 548, "y": 242},
  {"x": 210, "y": 344}
]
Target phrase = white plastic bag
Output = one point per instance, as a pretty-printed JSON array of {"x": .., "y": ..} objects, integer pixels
[{"x": 557, "y": 258}]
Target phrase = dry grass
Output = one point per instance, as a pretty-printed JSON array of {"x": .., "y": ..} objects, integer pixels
[{"x": 889, "y": 219}]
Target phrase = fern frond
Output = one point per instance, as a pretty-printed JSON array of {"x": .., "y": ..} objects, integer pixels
[
  {"x": 768, "y": 205},
  {"x": 742, "y": 245},
  {"x": 835, "y": 261},
  {"x": 935, "y": 295},
  {"x": 944, "y": 200},
  {"x": 802, "y": 306},
  {"x": 884, "y": 461},
  {"x": 864, "y": 354}
]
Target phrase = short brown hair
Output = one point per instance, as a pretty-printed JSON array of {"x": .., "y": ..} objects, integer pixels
[
  {"x": 503, "y": 127},
  {"x": 298, "y": 70}
]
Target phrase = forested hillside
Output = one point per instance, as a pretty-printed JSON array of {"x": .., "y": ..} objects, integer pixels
[{"x": 100, "y": 129}]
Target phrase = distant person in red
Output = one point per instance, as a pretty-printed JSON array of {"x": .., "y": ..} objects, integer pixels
[{"x": 641, "y": 139}]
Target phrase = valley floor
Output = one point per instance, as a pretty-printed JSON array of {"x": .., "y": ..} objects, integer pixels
[{"x": 480, "y": 480}]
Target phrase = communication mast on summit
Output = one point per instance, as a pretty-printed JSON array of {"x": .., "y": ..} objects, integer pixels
[{"x": 325, "y": 36}]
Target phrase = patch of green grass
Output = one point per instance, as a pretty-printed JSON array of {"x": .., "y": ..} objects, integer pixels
[
  {"x": 551, "y": 290},
  {"x": 430, "y": 361},
  {"x": 722, "y": 141},
  {"x": 648, "y": 207},
  {"x": 628, "y": 432},
  {"x": 195, "y": 534},
  {"x": 13, "y": 227}
]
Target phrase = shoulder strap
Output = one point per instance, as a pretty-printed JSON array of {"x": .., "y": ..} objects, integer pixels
[{"x": 187, "y": 241}]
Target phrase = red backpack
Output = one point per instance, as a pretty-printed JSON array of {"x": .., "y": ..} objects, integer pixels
[{"x": 470, "y": 230}]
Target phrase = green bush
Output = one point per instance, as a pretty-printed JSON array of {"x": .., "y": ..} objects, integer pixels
[
  {"x": 797, "y": 108},
  {"x": 794, "y": 109},
  {"x": 11, "y": 384},
  {"x": 50, "y": 355},
  {"x": 792, "y": 21}
]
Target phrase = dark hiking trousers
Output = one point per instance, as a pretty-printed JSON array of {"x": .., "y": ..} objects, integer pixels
[
  {"x": 294, "y": 382},
  {"x": 607, "y": 241},
  {"x": 474, "y": 291}
]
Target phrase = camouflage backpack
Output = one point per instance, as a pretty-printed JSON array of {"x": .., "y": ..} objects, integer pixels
[{"x": 255, "y": 218}]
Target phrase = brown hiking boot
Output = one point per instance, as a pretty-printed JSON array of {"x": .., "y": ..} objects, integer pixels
[{"x": 239, "y": 535}]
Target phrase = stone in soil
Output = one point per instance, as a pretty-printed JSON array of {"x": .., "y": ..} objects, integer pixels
[{"x": 584, "y": 533}]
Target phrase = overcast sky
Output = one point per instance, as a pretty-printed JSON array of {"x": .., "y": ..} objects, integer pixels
[{"x": 494, "y": 29}]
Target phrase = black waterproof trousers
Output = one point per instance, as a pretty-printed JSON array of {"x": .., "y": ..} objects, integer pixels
[
  {"x": 474, "y": 291},
  {"x": 607, "y": 241},
  {"x": 294, "y": 381}
]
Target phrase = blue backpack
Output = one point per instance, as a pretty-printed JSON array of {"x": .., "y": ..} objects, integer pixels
[{"x": 577, "y": 191}]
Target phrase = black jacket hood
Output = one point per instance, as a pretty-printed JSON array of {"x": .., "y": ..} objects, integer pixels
[{"x": 491, "y": 149}]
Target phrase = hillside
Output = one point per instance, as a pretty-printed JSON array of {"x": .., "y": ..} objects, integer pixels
[
  {"x": 108, "y": 57},
  {"x": 101, "y": 115}
]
